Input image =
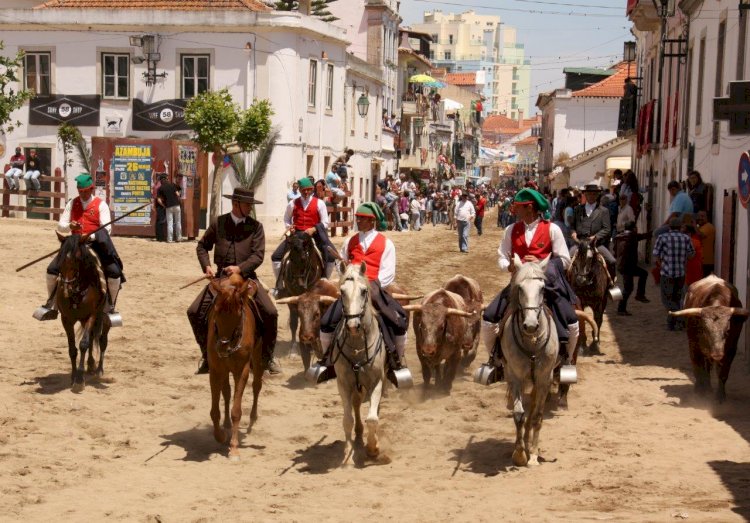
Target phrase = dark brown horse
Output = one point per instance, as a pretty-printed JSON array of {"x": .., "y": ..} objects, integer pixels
[
  {"x": 588, "y": 277},
  {"x": 233, "y": 347},
  {"x": 81, "y": 298}
]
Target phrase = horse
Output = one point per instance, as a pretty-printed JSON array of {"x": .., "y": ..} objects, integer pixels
[
  {"x": 81, "y": 298},
  {"x": 530, "y": 346},
  {"x": 359, "y": 359},
  {"x": 301, "y": 268},
  {"x": 233, "y": 347},
  {"x": 588, "y": 276}
]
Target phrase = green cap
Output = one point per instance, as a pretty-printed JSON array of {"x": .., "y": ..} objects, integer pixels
[
  {"x": 305, "y": 183},
  {"x": 372, "y": 210},
  {"x": 526, "y": 196},
  {"x": 84, "y": 181}
]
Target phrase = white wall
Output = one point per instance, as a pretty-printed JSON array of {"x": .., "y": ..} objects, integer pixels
[{"x": 583, "y": 123}]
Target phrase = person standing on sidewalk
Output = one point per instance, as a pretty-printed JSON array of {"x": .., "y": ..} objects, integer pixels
[
  {"x": 481, "y": 205},
  {"x": 671, "y": 251},
  {"x": 626, "y": 249},
  {"x": 464, "y": 214},
  {"x": 168, "y": 196},
  {"x": 707, "y": 233}
]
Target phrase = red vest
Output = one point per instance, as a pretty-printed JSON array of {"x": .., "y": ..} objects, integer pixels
[
  {"x": 89, "y": 219},
  {"x": 303, "y": 218},
  {"x": 541, "y": 243},
  {"x": 372, "y": 257}
]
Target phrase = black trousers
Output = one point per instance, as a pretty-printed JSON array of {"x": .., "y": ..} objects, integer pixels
[
  {"x": 269, "y": 317},
  {"x": 628, "y": 282},
  {"x": 105, "y": 250},
  {"x": 161, "y": 223}
]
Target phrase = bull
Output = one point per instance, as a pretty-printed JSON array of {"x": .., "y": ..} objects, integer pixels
[
  {"x": 468, "y": 289},
  {"x": 714, "y": 321},
  {"x": 439, "y": 325}
]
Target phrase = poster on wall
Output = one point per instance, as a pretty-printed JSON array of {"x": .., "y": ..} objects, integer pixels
[
  {"x": 132, "y": 183},
  {"x": 187, "y": 165}
]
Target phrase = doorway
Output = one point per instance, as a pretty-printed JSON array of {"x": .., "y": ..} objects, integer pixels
[{"x": 45, "y": 162}]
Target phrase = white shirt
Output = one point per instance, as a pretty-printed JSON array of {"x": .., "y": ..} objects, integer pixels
[
  {"x": 322, "y": 211},
  {"x": 559, "y": 247},
  {"x": 236, "y": 219},
  {"x": 387, "y": 271},
  {"x": 414, "y": 206},
  {"x": 590, "y": 208},
  {"x": 465, "y": 211},
  {"x": 624, "y": 215},
  {"x": 104, "y": 216}
]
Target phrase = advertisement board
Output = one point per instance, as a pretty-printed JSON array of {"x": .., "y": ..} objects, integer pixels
[{"x": 131, "y": 167}]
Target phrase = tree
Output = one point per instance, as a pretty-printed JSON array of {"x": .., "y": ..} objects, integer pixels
[
  {"x": 318, "y": 8},
  {"x": 221, "y": 127},
  {"x": 10, "y": 99},
  {"x": 71, "y": 139}
]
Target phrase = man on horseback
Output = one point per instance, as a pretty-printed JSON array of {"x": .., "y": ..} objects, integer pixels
[
  {"x": 591, "y": 221},
  {"x": 533, "y": 238},
  {"x": 305, "y": 215},
  {"x": 83, "y": 215},
  {"x": 240, "y": 246},
  {"x": 379, "y": 255}
]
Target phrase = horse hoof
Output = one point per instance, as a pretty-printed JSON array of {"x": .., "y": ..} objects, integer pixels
[
  {"x": 533, "y": 461},
  {"x": 372, "y": 453},
  {"x": 78, "y": 387},
  {"x": 519, "y": 458},
  {"x": 234, "y": 458},
  {"x": 220, "y": 436}
]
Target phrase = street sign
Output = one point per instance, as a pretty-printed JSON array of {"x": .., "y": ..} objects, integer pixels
[{"x": 743, "y": 179}]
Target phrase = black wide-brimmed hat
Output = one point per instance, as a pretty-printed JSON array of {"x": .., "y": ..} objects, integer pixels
[
  {"x": 242, "y": 195},
  {"x": 591, "y": 187}
]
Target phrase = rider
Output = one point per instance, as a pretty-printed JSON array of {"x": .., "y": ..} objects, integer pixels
[
  {"x": 240, "y": 247},
  {"x": 591, "y": 221},
  {"x": 379, "y": 254},
  {"x": 306, "y": 214},
  {"x": 83, "y": 215},
  {"x": 533, "y": 238}
]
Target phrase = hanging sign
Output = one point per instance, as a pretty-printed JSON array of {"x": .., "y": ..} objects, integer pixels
[
  {"x": 82, "y": 110},
  {"x": 160, "y": 116}
]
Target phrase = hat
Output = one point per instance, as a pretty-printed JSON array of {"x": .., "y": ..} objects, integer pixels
[
  {"x": 305, "y": 183},
  {"x": 528, "y": 196},
  {"x": 242, "y": 195},
  {"x": 372, "y": 210},
  {"x": 84, "y": 181},
  {"x": 592, "y": 187}
]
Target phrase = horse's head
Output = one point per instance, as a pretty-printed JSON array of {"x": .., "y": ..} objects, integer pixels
[
  {"x": 300, "y": 245},
  {"x": 228, "y": 306},
  {"x": 584, "y": 263},
  {"x": 355, "y": 296},
  {"x": 78, "y": 266},
  {"x": 527, "y": 292}
]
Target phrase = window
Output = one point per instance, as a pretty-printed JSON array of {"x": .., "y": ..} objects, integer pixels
[
  {"x": 194, "y": 75},
  {"x": 37, "y": 73},
  {"x": 718, "y": 88},
  {"x": 432, "y": 54},
  {"x": 450, "y": 39},
  {"x": 742, "y": 39},
  {"x": 116, "y": 76},
  {"x": 435, "y": 39},
  {"x": 329, "y": 86},
  {"x": 699, "y": 83},
  {"x": 312, "y": 83},
  {"x": 447, "y": 55}
]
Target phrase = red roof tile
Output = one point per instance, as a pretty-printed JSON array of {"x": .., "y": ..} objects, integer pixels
[
  {"x": 461, "y": 79},
  {"x": 529, "y": 140},
  {"x": 172, "y": 5},
  {"x": 610, "y": 87}
]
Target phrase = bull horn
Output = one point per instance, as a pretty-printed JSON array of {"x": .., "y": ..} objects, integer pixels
[
  {"x": 291, "y": 300},
  {"x": 326, "y": 299},
  {"x": 740, "y": 312},
  {"x": 695, "y": 311},
  {"x": 406, "y": 297},
  {"x": 458, "y": 312},
  {"x": 413, "y": 307},
  {"x": 588, "y": 319}
]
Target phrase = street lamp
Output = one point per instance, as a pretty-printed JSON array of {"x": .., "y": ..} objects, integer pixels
[
  {"x": 628, "y": 53},
  {"x": 418, "y": 125},
  {"x": 363, "y": 105}
]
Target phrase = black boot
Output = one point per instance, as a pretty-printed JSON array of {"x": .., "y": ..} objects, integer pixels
[
  {"x": 270, "y": 329},
  {"x": 203, "y": 366}
]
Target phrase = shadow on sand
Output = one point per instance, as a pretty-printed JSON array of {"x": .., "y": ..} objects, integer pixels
[
  {"x": 489, "y": 457},
  {"x": 60, "y": 382}
]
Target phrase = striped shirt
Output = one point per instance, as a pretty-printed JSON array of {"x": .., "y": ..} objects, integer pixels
[{"x": 673, "y": 249}]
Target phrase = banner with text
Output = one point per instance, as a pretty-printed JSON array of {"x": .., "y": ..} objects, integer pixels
[
  {"x": 78, "y": 110},
  {"x": 166, "y": 115},
  {"x": 132, "y": 183}
]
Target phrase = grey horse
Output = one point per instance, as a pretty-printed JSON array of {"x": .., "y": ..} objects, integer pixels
[
  {"x": 530, "y": 346},
  {"x": 359, "y": 359}
]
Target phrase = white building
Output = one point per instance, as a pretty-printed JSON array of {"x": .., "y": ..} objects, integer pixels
[{"x": 297, "y": 62}]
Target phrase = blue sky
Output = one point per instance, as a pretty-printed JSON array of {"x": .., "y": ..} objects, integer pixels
[{"x": 556, "y": 33}]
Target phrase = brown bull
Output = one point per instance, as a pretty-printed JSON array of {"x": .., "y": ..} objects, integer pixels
[
  {"x": 439, "y": 325},
  {"x": 714, "y": 321},
  {"x": 468, "y": 289},
  {"x": 310, "y": 307}
]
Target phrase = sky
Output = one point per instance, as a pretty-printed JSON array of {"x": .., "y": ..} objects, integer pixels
[{"x": 555, "y": 33}]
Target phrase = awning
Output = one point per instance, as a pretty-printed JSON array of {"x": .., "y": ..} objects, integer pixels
[{"x": 618, "y": 162}]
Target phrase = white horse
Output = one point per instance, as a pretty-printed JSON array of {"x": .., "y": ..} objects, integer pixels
[
  {"x": 530, "y": 346},
  {"x": 359, "y": 359}
]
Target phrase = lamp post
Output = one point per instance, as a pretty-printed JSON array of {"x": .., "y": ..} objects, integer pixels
[
  {"x": 628, "y": 53},
  {"x": 363, "y": 105}
]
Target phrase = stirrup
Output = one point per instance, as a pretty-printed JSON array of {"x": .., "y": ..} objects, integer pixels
[
  {"x": 487, "y": 374},
  {"x": 44, "y": 313},
  {"x": 401, "y": 378},
  {"x": 115, "y": 318},
  {"x": 318, "y": 373}
]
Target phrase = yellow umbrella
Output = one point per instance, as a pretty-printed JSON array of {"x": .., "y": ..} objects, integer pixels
[{"x": 421, "y": 79}]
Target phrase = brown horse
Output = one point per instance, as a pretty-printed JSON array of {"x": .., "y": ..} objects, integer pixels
[
  {"x": 588, "y": 277},
  {"x": 233, "y": 347},
  {"x": 81, "y": 298}
]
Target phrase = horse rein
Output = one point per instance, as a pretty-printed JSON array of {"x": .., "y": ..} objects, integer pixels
[{"x": 225, "y": 343}]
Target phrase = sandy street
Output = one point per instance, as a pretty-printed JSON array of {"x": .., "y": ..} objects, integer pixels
[{"x": 635, "y": 444}]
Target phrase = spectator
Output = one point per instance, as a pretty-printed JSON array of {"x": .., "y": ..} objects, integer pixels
[
  {"x": 707, "y": 233},
  {"x": 694, "y": 265},
  {"x": 168, "y": 196},
  {"x": 464, "y": 214},
  {"x": 671, "y": 252},
  {"x": 629, "y": 187},
  {"x": 626, "y": 249},
  {"x": 13, "y": 175},
  {"x": 333, "y": 180},
  {"x": 681, "y": 204},
  {"x": 480, "y": 208},
  {"x": 625, "y": 214},
  {"x": 403, "y": 210},
  {"x": 294, "y": 193},
  {"x": 343, "y": 163},
  {"x": 697, "y": 191},
  {"x": 33, "y": 171},
  {"x": 414, "y": 214}
]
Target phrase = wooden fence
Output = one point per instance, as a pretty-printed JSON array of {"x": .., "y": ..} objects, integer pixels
[
  {"x": 56, "y": 195},
  {"x": 341, "y": 215}
]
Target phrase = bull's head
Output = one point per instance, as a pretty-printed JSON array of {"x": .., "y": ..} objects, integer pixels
[
  {"x": 715, "y": 323},
  {"x": 310, "y": 307},
  {"x": 438, "y": 325}
]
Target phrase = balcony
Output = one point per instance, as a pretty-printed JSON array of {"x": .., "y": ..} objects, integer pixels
[
  {"x": 643, "y": 14},
  {"x": 626, "y": 120}
]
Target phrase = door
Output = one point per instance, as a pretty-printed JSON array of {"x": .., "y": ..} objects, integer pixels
[{"x": 45, "y": 162}]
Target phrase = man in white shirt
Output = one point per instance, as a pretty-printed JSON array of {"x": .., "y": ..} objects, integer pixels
[
  {"x": 625, "y": 213},
  {"x": 379, "y": 255},
  {"x": 465, "y": 215}
]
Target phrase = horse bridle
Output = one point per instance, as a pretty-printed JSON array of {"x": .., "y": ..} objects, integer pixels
[{"x": 227, "y": 342}]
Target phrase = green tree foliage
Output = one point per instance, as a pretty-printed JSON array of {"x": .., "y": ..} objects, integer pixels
[
  {"x": 221, "y": 126},
  {"x": 319, "y": 8},
  {"x": 10, "y": 99}
]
